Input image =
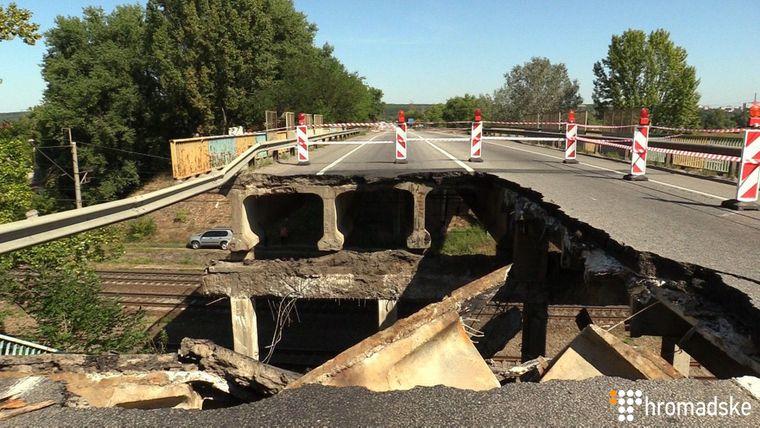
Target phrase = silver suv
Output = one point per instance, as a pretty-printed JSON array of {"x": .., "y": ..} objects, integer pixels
[{"x": 211, "y": 238}]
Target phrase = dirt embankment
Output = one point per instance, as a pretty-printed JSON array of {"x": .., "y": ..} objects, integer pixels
[{"x": 174, "y": 224}]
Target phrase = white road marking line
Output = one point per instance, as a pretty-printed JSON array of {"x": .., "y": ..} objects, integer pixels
[
  {"x": 685, "y": 189},
  {"x": 448, "y": 155},
  {"x": 337, "y": 161}
]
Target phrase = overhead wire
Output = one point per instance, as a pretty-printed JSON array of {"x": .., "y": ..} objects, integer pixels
[
  {"x": 53, "y": 162},
  {"x": 127, "y": 151}
]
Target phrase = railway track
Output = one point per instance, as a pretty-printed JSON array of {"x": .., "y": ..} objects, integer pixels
[{"x": 171, "y": 289}]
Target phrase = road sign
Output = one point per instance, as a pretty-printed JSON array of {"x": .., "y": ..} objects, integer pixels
[{"x": 639, "y": 149}]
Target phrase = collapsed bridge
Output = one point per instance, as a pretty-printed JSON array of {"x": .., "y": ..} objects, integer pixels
[{"x": 556, "y": 260}]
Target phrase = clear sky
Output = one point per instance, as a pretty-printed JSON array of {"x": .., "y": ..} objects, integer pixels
[{"x": 426, "y": 51}]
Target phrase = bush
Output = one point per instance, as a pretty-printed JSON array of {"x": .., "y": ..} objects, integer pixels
[
  {"x": 140, "y": 229},
  {"x": 181, "y": 216},
  {"x": 55, "y": 285}
]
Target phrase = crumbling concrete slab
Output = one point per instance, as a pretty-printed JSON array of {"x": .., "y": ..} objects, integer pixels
[
  {"x": 389, "y": 275},
  {"x": 246, "y": 375},
  {"x": 428, "y": 348},
  {"x": 700, "y": 327},
  {"x": 595, "y": 352},
  {"x": 151, "y": 390}
]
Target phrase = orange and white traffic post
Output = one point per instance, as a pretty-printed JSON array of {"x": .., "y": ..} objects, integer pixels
[
  {"x": 476, "y": 138},
  {"x": 571, "y": 138},
  {"x": 401, "y": 138},
  {"x": 302, "y": 140},
  {"x": 639, "y": 148},
  {"x": 749, "y": 171}
]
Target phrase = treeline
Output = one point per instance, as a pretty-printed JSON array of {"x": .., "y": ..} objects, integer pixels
[
  {"x": 128, "y": 81},
  {"x": 640, "y": 70}
]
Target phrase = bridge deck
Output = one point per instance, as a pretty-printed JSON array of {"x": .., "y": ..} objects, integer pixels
[{"x": 674, "y": 215}]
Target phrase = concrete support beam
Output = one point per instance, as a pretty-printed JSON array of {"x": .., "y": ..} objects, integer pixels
[
  {"x": 244, "y": 327},
  {"x": 419, "y": 239},
  {"x": 244, "y": 239},
  {"x": 663, "y": 320},
  {"x": 672, "y": 353},
  {"x": 387, "y": 313},
  {"x": 332, "y": 239},
  {"x": 529, "y": 270}
]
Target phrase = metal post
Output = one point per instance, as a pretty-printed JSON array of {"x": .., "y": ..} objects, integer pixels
[{"x": 75, "y": 164}]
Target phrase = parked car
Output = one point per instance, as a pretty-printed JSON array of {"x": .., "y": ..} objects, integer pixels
[{"x": 211, "y": 238}]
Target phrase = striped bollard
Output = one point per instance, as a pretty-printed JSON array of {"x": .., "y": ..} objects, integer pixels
[
  {"x": 476, "y": 138},
  {"x": 571, "y": 139},
  {"x": 401, "y": 138},
  {"x": 639, "y": 149},
  {"x": 749, "y": 172},
  {"x": 302, "y": 140}
]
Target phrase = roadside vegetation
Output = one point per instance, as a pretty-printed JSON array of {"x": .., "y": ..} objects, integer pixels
[{"x": 54, "y": 284}]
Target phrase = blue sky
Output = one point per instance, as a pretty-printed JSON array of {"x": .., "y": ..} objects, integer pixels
[{"x": 426, "y": 51}]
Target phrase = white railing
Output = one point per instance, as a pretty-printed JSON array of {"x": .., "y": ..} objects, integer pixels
[{"x": 13, "y": 346}]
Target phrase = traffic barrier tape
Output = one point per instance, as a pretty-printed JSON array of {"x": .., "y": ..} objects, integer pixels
[{"x": 712, "y": 156}]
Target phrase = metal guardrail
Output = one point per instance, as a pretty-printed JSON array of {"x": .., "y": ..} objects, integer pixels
[
  {"x": 724, "y": 147},
  {"x": 13, "y": 346},
  {"x": 36, "y": 230}
]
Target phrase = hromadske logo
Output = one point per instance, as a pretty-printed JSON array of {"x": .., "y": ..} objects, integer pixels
[
  {"x": 629, "y": 404},
  {"x": 623, "y": 402}
]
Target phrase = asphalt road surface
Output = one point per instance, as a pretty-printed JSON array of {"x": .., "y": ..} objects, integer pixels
[
  {"x": 674, "y": 215},
  {"x": 556, "y": 403}
]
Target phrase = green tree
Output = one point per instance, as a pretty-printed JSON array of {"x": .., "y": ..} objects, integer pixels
[
  {"x": 434, "y": 113},
  {"x": 212, "y": 58},
  {"x": 315, "y": 81},
  {"x": 487, "y": 107},
  {"x": 16, "y": 22},
  {"x": 54, "y": 282},
  {"x": 128, "y": 81},
  {"x": 538, "y": 86},
  {"x": 95, "y": 73},
  {"x": 460, "y": 108},
  {"x": 647, "y": 71}
]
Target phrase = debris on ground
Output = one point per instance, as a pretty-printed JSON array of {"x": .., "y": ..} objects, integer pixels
[
  {"x": 529, "y": 371},
  {"x": 244, "y": 374},
  {"x": 595, "y": 352},
  {"x": 430, "y": 347},
  {"x": 202, "y": 374}
]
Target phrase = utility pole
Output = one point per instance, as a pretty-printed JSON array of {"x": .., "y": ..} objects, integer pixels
[{"x": 75, "y": 162}]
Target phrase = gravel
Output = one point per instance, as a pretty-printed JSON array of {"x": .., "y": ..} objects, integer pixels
[{"x": 559, "y": 403}]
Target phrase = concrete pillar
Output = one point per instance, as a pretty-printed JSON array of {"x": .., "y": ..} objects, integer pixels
[
  {"x": 332, "y": 239},
  {"x": 244, "y": 239},
  {"x": 387, "y": 313},
  {"x": 244, "y": 328},
  {"x": 419, "y": 239},
  {"x": 672, "y": 353},
  {"x": 529, "y": 271}
]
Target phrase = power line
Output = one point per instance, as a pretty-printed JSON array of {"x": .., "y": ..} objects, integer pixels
[
  {"x": 53, "y": 162},
  {"x": 126, "y": 151}
]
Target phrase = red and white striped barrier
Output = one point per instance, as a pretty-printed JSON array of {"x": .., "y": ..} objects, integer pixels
[
  {"x": 350, "y": 124},
  {"x": 702, "y": 131},
  {"x": 710, "y": 156},
  {"x": 571, "y": 135},
  {"x": 639, "y": 149},
  {"x": 608, "y": 143},
  {"x": 518, "y": 138},
  {"x": 302, "y": 140},
  {"x": 499, "y": 122},
  {"x": 749, "y": 173},
  {"x": 401, "y": 138},
  {"x": 476, "y": 138}
]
